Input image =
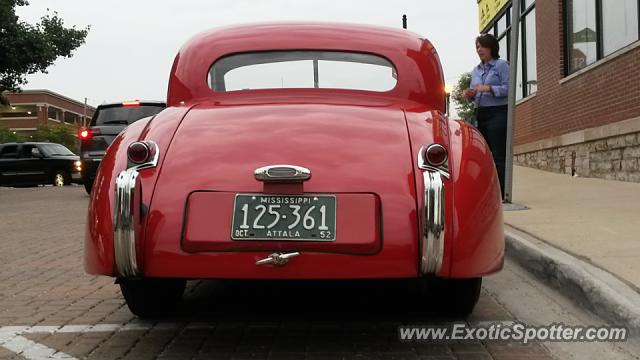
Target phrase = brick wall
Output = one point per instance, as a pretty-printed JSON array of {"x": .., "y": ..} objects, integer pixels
[{"x": 605, "y": 94}]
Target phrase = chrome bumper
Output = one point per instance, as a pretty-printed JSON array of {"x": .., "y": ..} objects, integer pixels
[
  {"x": 432, "y": 245},
  {"x": 124, "y": 236},
  {"x": 126, "y": 206}
]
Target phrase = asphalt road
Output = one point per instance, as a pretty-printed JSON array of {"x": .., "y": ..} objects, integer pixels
[{"x": 50, "y": 308}]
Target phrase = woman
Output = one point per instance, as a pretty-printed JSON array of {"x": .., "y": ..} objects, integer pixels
[{"x": 489, "y": 91}]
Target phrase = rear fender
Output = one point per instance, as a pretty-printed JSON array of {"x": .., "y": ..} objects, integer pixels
[
  {"x": 99, "y": 255},
  {"x": 428, "y": 127},
  {"x": 478, "y": 243}
]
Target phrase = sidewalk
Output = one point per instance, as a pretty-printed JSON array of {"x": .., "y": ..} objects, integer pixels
[{"x": 595, "y": 220}]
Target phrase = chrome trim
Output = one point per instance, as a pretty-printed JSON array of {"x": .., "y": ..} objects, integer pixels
[
  {"x": 124, "y": 217},
  {"x": 124, "y": 237},
  {"x": 434, "y": 221},
  {"x": 277, "y": 259},
  {"x": 443, "y": 169},
  {"x": 155, "y": 152},
  {"x": 294, "y": 173}
]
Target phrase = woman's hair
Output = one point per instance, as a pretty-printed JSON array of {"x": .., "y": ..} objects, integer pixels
[{"x": 490, "y": 42}]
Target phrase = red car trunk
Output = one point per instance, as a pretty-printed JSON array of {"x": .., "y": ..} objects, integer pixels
[{"x": 216, "y": 149}]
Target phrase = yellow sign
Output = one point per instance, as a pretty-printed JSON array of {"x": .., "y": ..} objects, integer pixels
[{"x": 488, "y": 9}]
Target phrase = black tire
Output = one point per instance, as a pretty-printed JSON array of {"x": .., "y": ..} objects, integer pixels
[
  {"x": 60, "y": 178},
  {"x": 150, "y": 297},
  {"x": 454, "y": 297},
  {"x": 88, "y": 185}
]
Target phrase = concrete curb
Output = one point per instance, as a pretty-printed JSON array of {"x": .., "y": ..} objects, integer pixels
[{"x": 588, "y": 285}]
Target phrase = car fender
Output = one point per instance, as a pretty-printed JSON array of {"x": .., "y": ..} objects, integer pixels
[
  {"x": 477, "y": 223},
  {"x": 99, "y": 232}
]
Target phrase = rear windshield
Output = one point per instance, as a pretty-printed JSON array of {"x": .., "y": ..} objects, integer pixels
[
  {"x": 302, "y": 69},
  {"x": 55, "y": 150},
  {"x": 124, "y": 114}
]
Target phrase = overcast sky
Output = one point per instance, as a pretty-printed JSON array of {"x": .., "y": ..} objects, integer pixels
[{"x": 131, "y": 45}]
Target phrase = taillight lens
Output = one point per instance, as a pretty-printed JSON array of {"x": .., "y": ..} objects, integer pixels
[
  {"x": 435, "y": 155},
  {"x": 139, "y": 152},
  {"x": 87, "y": 134}
]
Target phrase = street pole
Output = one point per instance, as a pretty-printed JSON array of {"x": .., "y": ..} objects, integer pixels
[
  {"x": 513, "y": 73},
  {"x": 84, "y": 114}
]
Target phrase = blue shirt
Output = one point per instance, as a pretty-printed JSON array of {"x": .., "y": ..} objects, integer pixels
[{"x": 496, "y": 74}]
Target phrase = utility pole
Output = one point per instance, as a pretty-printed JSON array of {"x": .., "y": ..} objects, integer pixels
[
  {"x": 84, "y": 114},
  {"x": 513, "y": 73}
]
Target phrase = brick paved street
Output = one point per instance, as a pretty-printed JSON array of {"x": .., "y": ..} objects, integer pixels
[{"x": 45, "y": 295}]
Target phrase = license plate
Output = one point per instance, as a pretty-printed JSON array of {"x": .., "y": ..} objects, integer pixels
[{"x": 284, "y": 217}]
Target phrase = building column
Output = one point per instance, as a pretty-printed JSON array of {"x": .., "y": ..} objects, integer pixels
[{"x": 43, "y": 113}]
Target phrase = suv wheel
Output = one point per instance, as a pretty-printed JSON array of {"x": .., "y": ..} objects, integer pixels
[
  {"x": 88, "y": 184},
  {"x": 152, "y": 297},
  {"x": 60, "y": 178}
]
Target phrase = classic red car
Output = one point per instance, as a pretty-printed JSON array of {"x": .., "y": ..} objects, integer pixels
[{"x": 298, "y": 151}]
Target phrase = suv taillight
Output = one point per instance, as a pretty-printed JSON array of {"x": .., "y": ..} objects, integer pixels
[{"x": 87, "y": 134}]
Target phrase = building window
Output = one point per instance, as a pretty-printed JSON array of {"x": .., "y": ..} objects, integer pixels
[
  {"x": 597, "y": 28},
  {"x": 530, "y": 51},
  {"x": 619, "y": 24},
  {"x": 527, "y": 78}
]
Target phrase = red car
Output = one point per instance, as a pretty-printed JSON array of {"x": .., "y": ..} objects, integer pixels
[{"x": 298, "y": 151}]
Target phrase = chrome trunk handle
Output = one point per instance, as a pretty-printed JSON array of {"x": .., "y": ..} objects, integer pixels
[{"x": 282, "y": 173}]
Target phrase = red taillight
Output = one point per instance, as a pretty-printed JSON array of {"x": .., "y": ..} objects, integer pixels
[
  {"x": 87, "y": 134},
  {"x": 435, "y": 155},
  {"x": 131, "y": 103},
  {"x": 139, "y": 152}
]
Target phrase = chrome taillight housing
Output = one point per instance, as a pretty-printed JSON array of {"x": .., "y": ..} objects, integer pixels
[
  {"x": 139, "y": 152},
  {"x": 435, "y": 155}
]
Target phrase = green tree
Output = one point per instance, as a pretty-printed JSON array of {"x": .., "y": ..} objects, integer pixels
[
  {"x": 61, "y": 134},
  {"x": 464, "y": 107},
  {"x": 28, "y": 49},
  {"x": 7, "y": 135}
]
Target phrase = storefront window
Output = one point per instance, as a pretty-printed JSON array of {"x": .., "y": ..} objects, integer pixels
[
  {"x": 519, "y": 88},
  {"x": 597, "y": 28},
  {"x": 583, "y": 34},
  {"x": 527, "y": 77},
  {"x": 501, "y": 24},
  {"x": 530, "y": 43},
  {"x": 619, "y": 24}
]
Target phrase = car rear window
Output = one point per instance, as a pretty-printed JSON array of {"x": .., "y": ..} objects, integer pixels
[
  {"x": 124, "y": 115},
  {"x": 302, "y": 69}
]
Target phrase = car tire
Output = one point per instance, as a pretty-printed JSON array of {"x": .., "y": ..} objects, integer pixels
[
  {"x": 453, "y": 297},
  {"x": 88, "y": 185},
  {"x": 152, "y": 297},
  {"x": 61, "y": 178}
]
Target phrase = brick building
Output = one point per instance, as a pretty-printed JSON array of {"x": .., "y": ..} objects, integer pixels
[
  {"x": 578, "y": 85},
  {"x": 31, "y": 108}
]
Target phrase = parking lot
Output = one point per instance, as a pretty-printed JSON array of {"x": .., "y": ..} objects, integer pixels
[{"x": 49, "y": 307}]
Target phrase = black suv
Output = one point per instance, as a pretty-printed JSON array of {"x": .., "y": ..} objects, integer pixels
[
  {"x": 107, "y": 122},
  {"x": 34, "y": 163}
]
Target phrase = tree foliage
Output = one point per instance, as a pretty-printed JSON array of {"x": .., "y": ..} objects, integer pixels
[
  {"x": 464, "y": 107},
  {"x": 28, "y": 49},
  {"x": 59, "y": 133}
]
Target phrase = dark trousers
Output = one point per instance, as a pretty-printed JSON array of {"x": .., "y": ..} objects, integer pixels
[{"x": 492, "y": 123}]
